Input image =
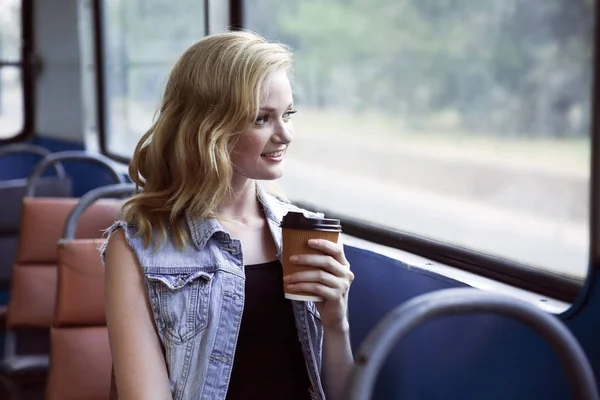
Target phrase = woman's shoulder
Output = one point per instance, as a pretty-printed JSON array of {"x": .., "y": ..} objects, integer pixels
[
  {"x": 131, "y": 235},
  {"x": 157, "y": 249},
  {"x": 128, "y": 230}
]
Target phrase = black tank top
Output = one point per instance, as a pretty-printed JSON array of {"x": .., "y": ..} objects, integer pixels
[{"x": 268, "y": 360}]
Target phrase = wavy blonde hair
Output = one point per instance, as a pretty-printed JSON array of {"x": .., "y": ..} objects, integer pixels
[{"x": 182, "y": 162}]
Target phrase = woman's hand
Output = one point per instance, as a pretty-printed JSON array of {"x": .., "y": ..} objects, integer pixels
[{"x": 331, "y": 281}]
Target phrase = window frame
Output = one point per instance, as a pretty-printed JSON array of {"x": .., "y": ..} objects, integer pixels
[
  {"x": 594, "y": 253},
  {"x": 99, "y": 51},
  {"x": 29, "y": 66},
  {"x": 499, "y": 269}
]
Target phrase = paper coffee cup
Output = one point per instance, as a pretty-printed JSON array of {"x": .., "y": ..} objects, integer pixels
[{"x": 297, "y": 229}]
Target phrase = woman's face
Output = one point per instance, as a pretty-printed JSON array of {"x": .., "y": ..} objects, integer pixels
[{"x": 260, "y": 149}]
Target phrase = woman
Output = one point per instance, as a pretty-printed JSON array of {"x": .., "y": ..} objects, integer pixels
[{"x": 194, "y": 296}]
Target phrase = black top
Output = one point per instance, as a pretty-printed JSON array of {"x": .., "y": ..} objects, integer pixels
[{"x": 268, "y": 360}]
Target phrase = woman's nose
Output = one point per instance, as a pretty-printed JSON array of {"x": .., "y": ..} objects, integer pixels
[{"x": 283, "y": 133}]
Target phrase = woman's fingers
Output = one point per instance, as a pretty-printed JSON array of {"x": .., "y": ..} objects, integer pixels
[
  {"x": 332, "y": 268},
  {"x": 333, "y": 260},
  {"x": 319, "y": 282},
  {"x": 326, "y": 292},
  {"x": 321, "y": 261},
  {"x": 315, "y": 276},
  {"x": 335, "y": 250}
]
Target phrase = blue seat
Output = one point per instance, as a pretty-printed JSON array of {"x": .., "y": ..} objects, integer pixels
[
  {"x": 12, "y": 192},
  {"x": 380, "y": 285}
]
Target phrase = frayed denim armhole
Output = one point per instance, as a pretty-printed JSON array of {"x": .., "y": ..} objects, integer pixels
[{"x": 108, "y": 232}]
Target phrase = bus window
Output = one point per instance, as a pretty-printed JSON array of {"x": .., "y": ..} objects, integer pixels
[
  {"x": 142, "y": 40},
  {"x": 466, "y": 122},
  {"x": 11, "y": 86}
]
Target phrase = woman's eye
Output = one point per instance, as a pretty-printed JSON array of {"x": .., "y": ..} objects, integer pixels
[
  {"x": 261, "y": 120},
  {"x": 288, "y": 114}
]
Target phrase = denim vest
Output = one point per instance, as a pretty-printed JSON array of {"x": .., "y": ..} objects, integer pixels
[{"x": 197, "y": 296}]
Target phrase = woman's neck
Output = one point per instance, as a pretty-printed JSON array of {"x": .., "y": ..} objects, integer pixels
[{"x": 243, "y": 206}]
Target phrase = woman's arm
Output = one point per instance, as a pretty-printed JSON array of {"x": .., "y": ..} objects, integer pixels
[
  {"x": 331, "y": 282},
  {"x": 140, "y": 369},
  {"x": 337, "y": 360}
]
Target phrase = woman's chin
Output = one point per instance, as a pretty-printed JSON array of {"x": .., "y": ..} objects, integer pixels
[
  {"x": 272, "y": 177},
  {"x": 272, "y": 174}
]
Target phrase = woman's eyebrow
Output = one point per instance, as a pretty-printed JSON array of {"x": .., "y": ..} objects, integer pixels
[{"x": 273, "y": 109}]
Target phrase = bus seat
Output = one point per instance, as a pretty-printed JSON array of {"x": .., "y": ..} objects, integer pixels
[
  {"x": 80, "y": 293},
  {"x": 34, "y": 277},
  {"x": 80, "y": 357},
  {"x": 80, "y": 364},
  {"x": 34, "y": 283},
  {"x": 382, "y": 283},
  {"x": 12, "y": 192}
]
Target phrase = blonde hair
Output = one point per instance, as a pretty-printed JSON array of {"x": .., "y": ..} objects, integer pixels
[{"x": 183, "y": 161}]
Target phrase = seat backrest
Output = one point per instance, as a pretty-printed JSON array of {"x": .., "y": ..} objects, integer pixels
[
  {"x": 80, "y": 364},
  {"x": 34, "y": 282},
  {"x": 80, "y": 289},
  {"x": 34, "y": 274},
  {"x": 12, "y": 192},
  {"x": 80, "y": 358}
]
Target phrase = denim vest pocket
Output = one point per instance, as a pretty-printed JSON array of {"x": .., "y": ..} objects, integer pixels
[{"x": 180, "y": 300}]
